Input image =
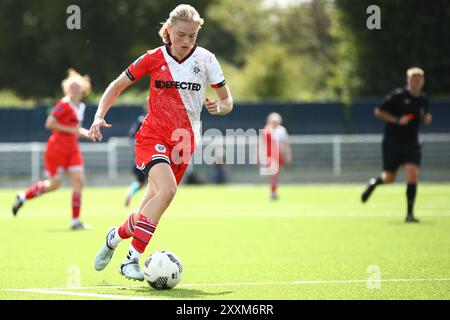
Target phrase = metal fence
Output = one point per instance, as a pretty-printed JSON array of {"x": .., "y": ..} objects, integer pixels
[{"x": 317, "y": 158}]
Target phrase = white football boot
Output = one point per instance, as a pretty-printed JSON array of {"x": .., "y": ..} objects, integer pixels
[{"x": 105, "y": 254}]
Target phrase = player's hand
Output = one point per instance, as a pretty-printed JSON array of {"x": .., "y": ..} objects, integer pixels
[
  {"x": 427, "y": 118},
  {"x": 94, "y": 132},
  {"x": 403, "y": 120},
  {"x": 212, "y": 106}
]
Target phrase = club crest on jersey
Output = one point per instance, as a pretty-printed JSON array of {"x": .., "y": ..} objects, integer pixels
[
  {"x": 196, "y": 69},
  {"x": 163, "y": 68},
  {"x": 160, "y": 148}
]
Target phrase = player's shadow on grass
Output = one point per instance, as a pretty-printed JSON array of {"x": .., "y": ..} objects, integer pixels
[
  {"x": 408, "y": 224},
  {"x": 178, "y": 293}
]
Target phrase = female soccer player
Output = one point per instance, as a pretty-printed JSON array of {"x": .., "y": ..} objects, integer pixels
[
  {"x": 277, "y": 150},
  {"x": 179, "y": 72},
  {"x": 62, "y": 153}
]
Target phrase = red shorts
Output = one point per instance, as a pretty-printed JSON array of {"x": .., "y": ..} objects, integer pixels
[
  {"x": 150, "y": 151},
  {"x": 59, "y": 159}
]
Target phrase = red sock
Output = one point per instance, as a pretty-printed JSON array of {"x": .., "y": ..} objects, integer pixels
[
  {"x": 35, "y": 190},
  {"x": 126, "y": 230},
  {"x": 145, "y": 228},
  {"x": 76, "y": 204}
]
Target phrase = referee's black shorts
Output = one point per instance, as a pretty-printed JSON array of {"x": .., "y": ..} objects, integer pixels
[{"x": 397, "y": 153}]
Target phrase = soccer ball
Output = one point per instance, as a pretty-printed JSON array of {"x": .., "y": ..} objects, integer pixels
[{"x": 162, "y": 270}]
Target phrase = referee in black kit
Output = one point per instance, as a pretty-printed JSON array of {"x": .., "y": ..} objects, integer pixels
[{"x": 403, "y": 111}]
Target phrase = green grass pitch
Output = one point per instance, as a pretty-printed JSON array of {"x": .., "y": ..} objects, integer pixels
[{"x": 315, "y": 242}]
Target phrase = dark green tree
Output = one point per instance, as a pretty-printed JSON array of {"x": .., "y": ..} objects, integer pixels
[
  {"x": 37, "y": 48},
  {"x": 413, "y": 33}
]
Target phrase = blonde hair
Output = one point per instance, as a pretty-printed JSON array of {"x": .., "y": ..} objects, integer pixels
[
  {"x": 74, "y": 76},
  {"x": 182, "y": 12},
  {"x": 275, "y": 116},
  {"x": 414, "y": 70}
]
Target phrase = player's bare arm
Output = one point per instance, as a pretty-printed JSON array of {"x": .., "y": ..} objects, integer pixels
[
  {"x": 389, "y": 118},
  {"x": 108, "y": 98},
  {"x": 287, "y": 151},
  {"x": 84, "y": 133},
  {"x": 224, "y": 103},
  {"x": 52, "y": 124}
]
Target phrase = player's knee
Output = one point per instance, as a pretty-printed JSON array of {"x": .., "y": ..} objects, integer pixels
[
  {"x": 53, "y": 184},
  {"x": 411, "y": 178},
  {"x": 77, "y": 186},
  {"x": 388, "y": 178},
  {"x": 78, "y": 183},
  {"x": 167, "y": 192},
  {"x": 412, "y": 172},
  {"x": 170, "y": 191}
]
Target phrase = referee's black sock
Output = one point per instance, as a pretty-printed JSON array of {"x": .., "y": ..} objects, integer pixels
[
  {"x": 411, "y": 191},
  {"x": 378, "y": 181},
  {"x": 373, "y": 183}
]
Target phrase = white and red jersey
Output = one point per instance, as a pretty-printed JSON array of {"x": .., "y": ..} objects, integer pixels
[
  {"x": 177, "y": 90},
  {"x": 280, "y": 134},
  {"x": 69, "y": 114},
  {"x": 274, "y": 140}
]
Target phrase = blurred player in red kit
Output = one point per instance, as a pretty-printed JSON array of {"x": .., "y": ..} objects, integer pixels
[
  {"x": 62, "y": 152},
  {"x": 275, "y": 149},
  {"x": 179, "y": 73}
]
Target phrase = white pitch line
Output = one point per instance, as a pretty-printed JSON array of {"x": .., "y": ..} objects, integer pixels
[
  {"x": 83, "y": 294},
  {"x": 304, "y": 282},
  {"x": 297, "y": 282}
]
